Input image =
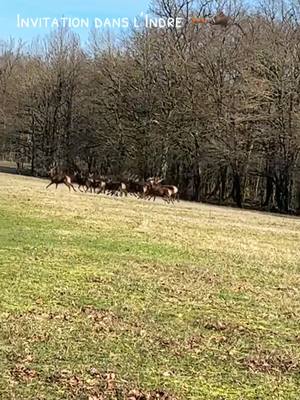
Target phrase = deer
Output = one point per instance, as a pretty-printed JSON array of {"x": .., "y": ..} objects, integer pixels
[
  {"x": 154, "y": 188},
  {"x": 114, "y": 187},
  {"x": 224, "y": 20},
  {"x": 135, "y": 188},
  {"x": 81, "y": 180},
  {"x": 101, "y": 184},
  {"x": 132, "y": 185},
  {"x": 58, "y": 178},
  {"x": 92, "y": 183},
  {"x": 173, "y": 188}
]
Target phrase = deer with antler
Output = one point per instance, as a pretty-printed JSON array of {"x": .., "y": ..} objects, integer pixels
[
  {"x": 153, "y": 188},
  {"x": 58, "y": 178}
]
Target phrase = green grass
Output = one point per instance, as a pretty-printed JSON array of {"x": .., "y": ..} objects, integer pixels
[{"x": 200, "y": 302}]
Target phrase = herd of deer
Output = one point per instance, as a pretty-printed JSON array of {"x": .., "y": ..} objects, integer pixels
[{"x": 150, "y": 189}]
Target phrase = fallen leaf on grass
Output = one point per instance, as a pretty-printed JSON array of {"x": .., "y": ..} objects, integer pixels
[
  {"x": 272, "y": 362},
  {"x": 216, "y": 326},
  {"x": 23, "y": 373}
]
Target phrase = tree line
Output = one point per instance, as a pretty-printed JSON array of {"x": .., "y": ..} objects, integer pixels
[{"x": 213, "y": 109}]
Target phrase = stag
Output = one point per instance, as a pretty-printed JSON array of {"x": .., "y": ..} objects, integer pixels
[
  {"x": 154, "y": 188},
  {"x": 59, "y": 178},
  {"x": 224, "y": 20}
]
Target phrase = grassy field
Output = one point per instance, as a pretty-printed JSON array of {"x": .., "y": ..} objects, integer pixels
[{"x": 106, "y": 298}]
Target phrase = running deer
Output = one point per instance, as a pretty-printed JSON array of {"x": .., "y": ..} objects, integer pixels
[
  {"x": 116, "y": 187},
  {"x": 135, "y": 188},
  {"x": 154, "y": 188},
  {"x": 81, "y": 180},
  {"x": 94, "y": 182},
  {"x": 59, "y": 178}
]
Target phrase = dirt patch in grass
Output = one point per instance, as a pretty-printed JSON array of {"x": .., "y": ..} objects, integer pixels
[
  {"x": 96, "y": 385},
  {"x": 23, "y": 373},
  {"x": 272, "y": 362},
  {"x": 227, "y": 327}
]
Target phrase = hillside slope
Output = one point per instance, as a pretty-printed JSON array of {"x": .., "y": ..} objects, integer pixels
[{"x": 197, "y": 301}]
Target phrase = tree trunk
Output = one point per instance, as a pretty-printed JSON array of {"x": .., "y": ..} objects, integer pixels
[{"x": 237, "y": 190}]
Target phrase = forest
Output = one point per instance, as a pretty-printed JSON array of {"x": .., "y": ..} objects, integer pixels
[{"x": 213, "y": 109}]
